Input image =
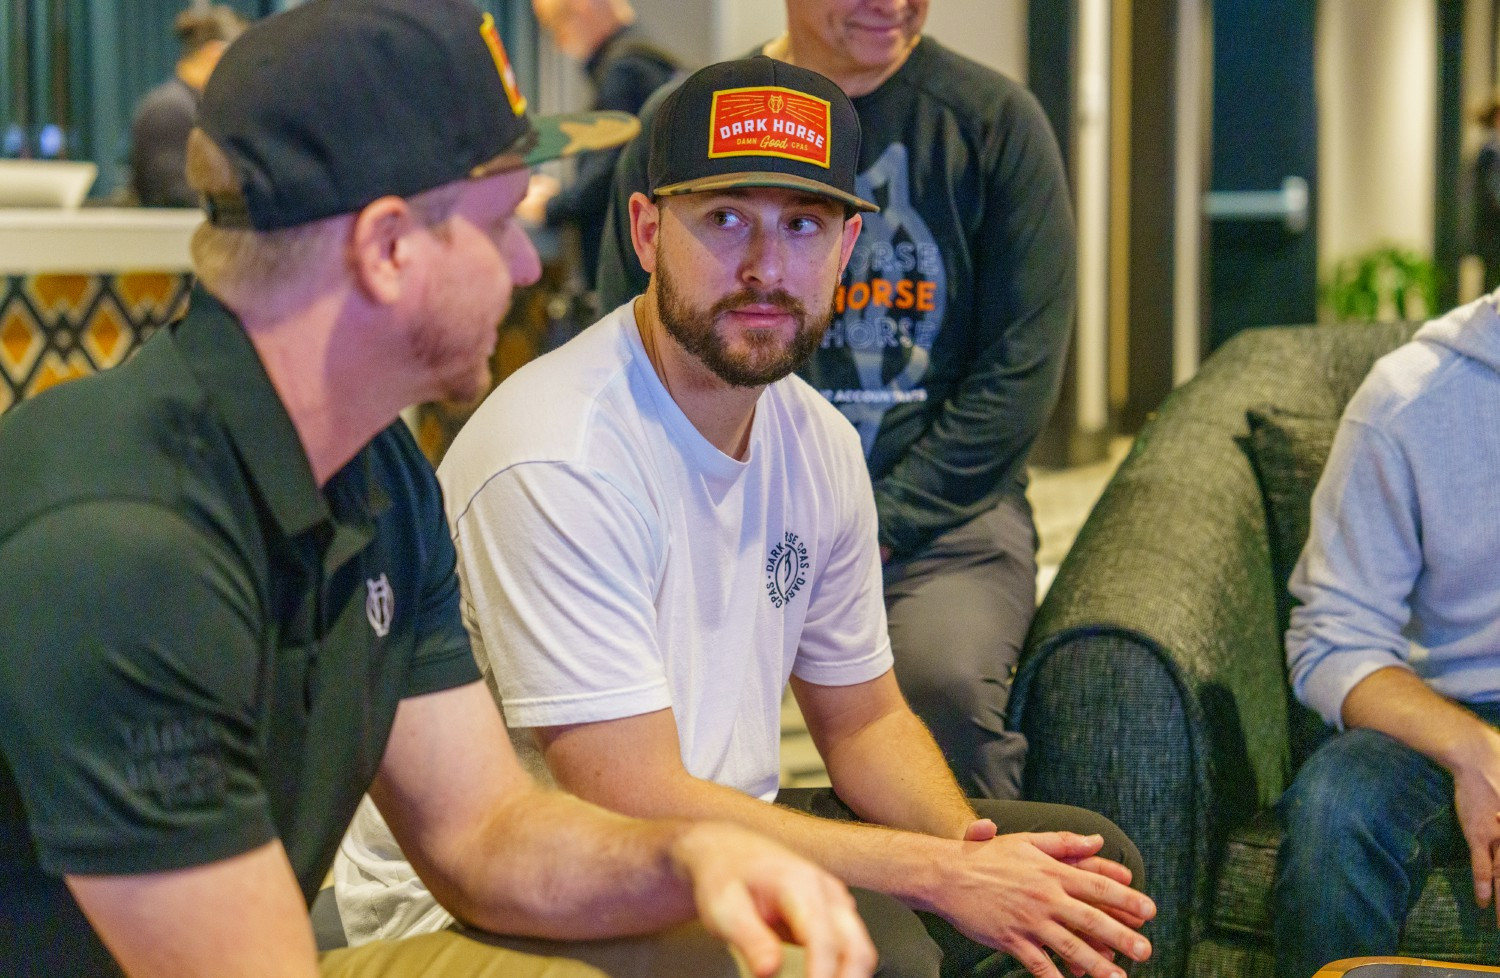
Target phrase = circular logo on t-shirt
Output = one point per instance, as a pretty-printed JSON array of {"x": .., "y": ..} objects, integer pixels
[{"x": 786, "y": 569}]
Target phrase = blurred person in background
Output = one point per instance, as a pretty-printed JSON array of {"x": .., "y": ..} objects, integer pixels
[
  {"x": 625, "y": 67},
  {"x": 1487, "y": 195},
  {"x": 163, "y": 119}
]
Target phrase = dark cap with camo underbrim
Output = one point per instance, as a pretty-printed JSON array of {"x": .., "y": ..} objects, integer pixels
[
  {"x": 335, "y": 103},
  {"x": 756, "y": 122}
]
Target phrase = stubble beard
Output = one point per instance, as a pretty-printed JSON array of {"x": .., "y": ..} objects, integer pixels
[
  {"x": 695, "y": 330},
  {"x": 460, "y": 367}
]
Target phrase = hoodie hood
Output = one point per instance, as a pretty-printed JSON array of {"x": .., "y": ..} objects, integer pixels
[{"x": 1472, "y": 330}]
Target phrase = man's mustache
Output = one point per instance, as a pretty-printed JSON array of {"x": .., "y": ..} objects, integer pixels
[{"x": 779, "y": 298}]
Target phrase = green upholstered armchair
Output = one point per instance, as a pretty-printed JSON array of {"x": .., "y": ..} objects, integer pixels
[{"x": 1153, "y": 686}]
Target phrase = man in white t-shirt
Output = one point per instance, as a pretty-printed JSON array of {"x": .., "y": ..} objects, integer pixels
[{"x": 659, "y": 527}]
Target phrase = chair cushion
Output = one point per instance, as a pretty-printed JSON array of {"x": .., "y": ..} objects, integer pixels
[
  {"x": 1445, "y": 924},
  {"x": 1288, "y": 452}
]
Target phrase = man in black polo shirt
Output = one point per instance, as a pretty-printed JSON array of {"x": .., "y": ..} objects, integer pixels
[{"x": 228, "y": 605}]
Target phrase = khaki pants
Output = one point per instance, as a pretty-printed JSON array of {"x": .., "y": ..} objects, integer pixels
[{"x": 688, "y": 950}]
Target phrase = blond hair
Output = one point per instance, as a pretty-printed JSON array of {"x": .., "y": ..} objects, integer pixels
[{"x": 243, "y": 265}]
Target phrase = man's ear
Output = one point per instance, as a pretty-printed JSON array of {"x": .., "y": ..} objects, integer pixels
[
  {"x": 851, "y": 234},
  {"x": 645, "y": 230},
  {"x": 380, "y": 248}
]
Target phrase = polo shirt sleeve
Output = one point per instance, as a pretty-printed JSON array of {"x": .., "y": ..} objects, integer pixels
[
  {"x": 443, "y": 658},
  {"x": 129, "y": 677},
  {"x": 415, "y": 532}
]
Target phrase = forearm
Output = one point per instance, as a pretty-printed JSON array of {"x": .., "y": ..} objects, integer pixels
[
  {"x": 870, "y": 856},
  {"x": 547, "y": 864},
  {"x": 1395, "y": 702},
  {"x": 892, "y": 773}
]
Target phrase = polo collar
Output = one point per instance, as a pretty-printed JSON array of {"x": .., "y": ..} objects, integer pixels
[{"x": 214, "y": 345}]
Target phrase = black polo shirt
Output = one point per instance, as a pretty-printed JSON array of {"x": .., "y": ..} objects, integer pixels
[{"x": 200, "y": 651}]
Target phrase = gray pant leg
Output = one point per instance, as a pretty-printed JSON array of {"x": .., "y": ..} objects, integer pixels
[
  {"x": 960, "y": 955},
  {"x": 958, "y": 612},
  {"x": 901, "y": 939}
]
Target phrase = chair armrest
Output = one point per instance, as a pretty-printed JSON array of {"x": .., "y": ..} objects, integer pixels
[{"x": 1153, "y": 686}]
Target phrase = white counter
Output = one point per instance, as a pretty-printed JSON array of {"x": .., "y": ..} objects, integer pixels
[{"x": 95, "y": 239}]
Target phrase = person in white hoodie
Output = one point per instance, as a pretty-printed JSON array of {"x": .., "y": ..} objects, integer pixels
[{"x": 1397, "y": 644}]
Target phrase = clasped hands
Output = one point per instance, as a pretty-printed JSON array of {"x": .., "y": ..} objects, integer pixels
[{"x": 1033, "y": 892}]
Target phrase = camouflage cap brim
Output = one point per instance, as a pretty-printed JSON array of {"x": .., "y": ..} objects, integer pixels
[
  {"x": 582, "y": 132},
  {"x": 555, "y": 136}
]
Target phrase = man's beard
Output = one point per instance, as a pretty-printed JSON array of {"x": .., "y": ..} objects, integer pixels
[
  {"x": 456, "y": 360},
  {"x": 694, "y": 329}
]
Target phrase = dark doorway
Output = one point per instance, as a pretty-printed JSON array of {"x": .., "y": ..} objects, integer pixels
[{"x": 1262, "y": 262}]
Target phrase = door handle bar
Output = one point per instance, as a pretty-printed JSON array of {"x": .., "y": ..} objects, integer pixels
[{"x": 1288, "y": 205}]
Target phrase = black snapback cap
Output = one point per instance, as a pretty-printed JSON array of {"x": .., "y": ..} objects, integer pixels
[
  {"x": 335, "y": 103},
  {"x": 756, "y": 122}
]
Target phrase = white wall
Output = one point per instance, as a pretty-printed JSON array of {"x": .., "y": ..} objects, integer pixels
[
  {"x": 992, "y": 32},
  {"x": 1377, "y": 105},
  {"x": 989, "y": 31},
  {"x": 686, "y": 27},
  {"x": 744, "y": 24}
]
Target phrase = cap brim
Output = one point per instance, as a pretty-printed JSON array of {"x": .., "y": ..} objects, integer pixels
[
  {"x": 786, "y": 181},
  {"x": 555, "y": 136}
]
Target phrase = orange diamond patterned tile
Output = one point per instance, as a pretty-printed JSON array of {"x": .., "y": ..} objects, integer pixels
[
  {"x": 58, "y": 294},
  {"x": 21, "y": 342},
  {"x": 147, "y": 293},
  {"x": 107, "y": 336},
  {"x": 55, "y": 370}
]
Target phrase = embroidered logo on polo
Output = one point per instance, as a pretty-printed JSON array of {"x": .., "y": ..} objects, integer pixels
[
  {"x": 888, "y": 310},
  {"x": 380, "y": 605},
  {"x": 491, "y": 36},
  {"x": 786, "y": 569},
  {"x": 770, "y": 121},
  {"x": 175, "y": 760}
]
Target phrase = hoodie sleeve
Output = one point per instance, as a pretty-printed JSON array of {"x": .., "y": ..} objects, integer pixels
[{"x": 1357, "y": 572}]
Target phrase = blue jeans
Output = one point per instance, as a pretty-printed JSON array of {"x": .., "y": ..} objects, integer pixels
[{"x": 1364, "y": 821}]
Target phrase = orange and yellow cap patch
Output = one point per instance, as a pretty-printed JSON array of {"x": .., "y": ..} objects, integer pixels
[
  {"x": 770, "y": 121},
  {"x": 491, "y": 36}
]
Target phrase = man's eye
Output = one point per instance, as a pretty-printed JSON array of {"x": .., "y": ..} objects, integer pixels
[
  {"x": 724, "y": 219},
  {"x": 804, "y": 225}
]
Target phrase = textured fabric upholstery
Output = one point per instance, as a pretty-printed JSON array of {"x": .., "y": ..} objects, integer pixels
[
  {"x": 1288, "y": 452},
  {"x": 1153, "y": 686}
]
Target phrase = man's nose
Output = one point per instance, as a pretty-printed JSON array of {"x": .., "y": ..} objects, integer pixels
[
  {"x": 765, "y": 259},
  {"x": 520, "y": 256}
]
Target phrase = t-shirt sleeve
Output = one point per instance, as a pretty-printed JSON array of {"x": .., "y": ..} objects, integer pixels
[
  {"x": 844, "y": 638},
  {"x": 128, "y": 684},
  {"x": 560, "y": 570}
]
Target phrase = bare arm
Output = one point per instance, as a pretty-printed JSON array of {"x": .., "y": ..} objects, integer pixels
[
  {"x": 507, "y": 855},
  {"x": 882, "y": 761},
  {"x": 1397, "y": 703},
  {"x": 1017, "y": 892},
  {"x": 234, "y": 918}
]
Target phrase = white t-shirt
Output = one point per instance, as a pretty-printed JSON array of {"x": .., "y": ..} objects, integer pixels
[{"x": 615, "y": 563}]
